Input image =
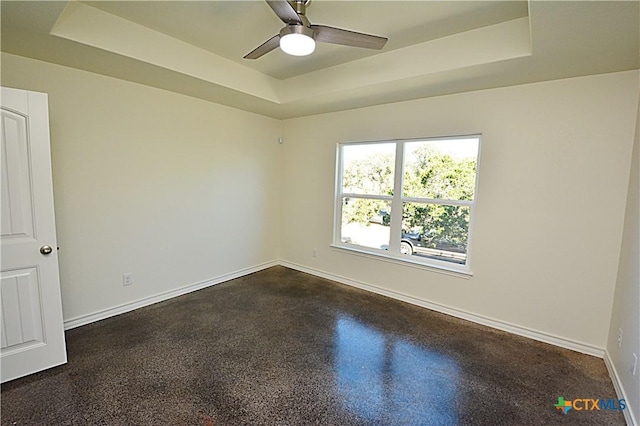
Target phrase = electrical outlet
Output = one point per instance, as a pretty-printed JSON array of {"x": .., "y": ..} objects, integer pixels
[
  {"x": 314, "y": 252},
  {"x": 127, "y": 279},
  {"x": 634, "y": 367},
  {"x": 619, "y": 337}
]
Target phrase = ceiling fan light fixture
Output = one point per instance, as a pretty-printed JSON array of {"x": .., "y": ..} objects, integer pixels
[
  {"x": 297, "y": 40},
  {"x": 299, "y": 37}
]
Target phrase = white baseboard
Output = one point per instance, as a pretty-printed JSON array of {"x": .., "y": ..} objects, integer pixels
[
  {"x": 629, "y": 415},
  {"x": 479, "y": 319},
  {"x": 130, "y": 306}
]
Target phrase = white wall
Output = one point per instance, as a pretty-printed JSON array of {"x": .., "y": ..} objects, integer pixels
[
  {"x": 626, "y": 302},
  {"x": 177, "y": 190},
  {"x": 170, "y": 188},
  {"x": 552, "y": 189}
]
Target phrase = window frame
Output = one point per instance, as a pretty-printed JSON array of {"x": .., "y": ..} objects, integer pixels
[{"x": 397, "y": 199}]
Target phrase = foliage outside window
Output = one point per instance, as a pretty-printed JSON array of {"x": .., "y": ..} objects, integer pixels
[{"x": 411, "y": 200}]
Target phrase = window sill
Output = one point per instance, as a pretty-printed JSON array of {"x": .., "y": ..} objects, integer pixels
[{"x": 440, "y": 269}]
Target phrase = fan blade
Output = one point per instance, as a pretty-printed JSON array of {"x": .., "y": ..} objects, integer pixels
[
  {"x": 264, "y": 48},
  {"x": 348, "y": 38},
  {"x": 285, "y": 11}
]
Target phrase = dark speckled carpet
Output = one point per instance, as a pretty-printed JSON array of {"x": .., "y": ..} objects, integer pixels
[{"x": 281, "y": 347}]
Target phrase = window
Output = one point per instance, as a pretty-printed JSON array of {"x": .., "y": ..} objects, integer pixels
[{"x": 410, "y": 200}]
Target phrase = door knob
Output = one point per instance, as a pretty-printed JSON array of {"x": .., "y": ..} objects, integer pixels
[{"x": 46, "y": 250}]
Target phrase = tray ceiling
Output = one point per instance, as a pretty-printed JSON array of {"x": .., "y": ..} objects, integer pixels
[{"x": 434, "y": 48}]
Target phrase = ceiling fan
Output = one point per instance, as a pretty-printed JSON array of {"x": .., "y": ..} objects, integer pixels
[{"x": 298, "y": 37}]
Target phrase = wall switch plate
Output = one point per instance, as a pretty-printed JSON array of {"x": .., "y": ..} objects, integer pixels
[
  {"x": 127, "y": 279},
  {"x": 619, "y": 337},
  {"x": 634, "y": 367},
  {"x": 314, "y": 252}
]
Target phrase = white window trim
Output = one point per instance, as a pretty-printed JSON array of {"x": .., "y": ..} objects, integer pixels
[{"x": 396, "y": 213}]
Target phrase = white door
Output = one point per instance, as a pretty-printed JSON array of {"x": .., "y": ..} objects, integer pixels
[{"x": 31, "y": 310}]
